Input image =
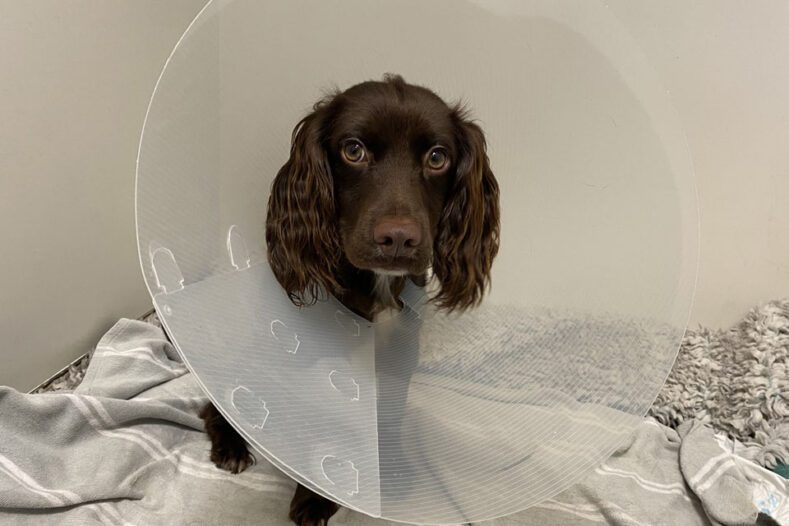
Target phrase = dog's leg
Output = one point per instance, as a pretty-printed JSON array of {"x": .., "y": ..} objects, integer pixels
[
  {"x": 310, "y": 509},
  {"x": 228, "y": 449}
]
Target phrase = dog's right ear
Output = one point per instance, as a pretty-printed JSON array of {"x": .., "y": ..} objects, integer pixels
[
  {"x": 468, "y": 232},
  {"x": 301, "y": 227}
]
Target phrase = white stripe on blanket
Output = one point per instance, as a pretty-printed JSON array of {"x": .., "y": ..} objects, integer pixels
[
  {"x": 59, "y": 497},
  {"x": 181, "y": 462},
  {"x": 654, "y": 487},
  {"x": 144, "y": 354}
]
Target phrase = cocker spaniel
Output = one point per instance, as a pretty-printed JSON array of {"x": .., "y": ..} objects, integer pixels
[{"x": 385, "y": 183}]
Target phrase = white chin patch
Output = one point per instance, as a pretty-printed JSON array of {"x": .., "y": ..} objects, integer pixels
[
  {"x": 383, "y": 289},
  {"x": 385, "y": 272}
]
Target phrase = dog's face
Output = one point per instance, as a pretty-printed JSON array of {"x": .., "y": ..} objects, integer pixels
[
  {"x": 391, "y": 156},
  {"x": 388, "y": 178}
]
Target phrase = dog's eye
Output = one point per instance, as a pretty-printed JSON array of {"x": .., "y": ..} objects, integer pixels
[
  {"x": 353, "y": 151},
  {"x": 437, "y": 158}
]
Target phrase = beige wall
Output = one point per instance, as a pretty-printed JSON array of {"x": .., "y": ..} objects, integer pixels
[
  {"x": 75, "y": 80},
  {"x": 727, "y": 66}
]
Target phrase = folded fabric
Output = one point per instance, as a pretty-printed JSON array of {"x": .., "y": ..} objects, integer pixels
[{"x": 126, "y": 447}]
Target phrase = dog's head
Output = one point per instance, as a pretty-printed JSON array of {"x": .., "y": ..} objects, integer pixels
[{"x": 386, "y": 177}]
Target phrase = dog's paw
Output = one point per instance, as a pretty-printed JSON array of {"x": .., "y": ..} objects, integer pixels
[
  {"x": 228, "y": 449},
  {"x": 232, "y": 457},
  {"x": 310, "y": 509}
]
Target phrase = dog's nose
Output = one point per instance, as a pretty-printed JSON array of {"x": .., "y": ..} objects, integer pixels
[{"x": 397, "y": 236}]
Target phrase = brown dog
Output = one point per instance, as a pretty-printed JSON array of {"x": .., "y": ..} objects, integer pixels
[{"x": 384, "y": 181}]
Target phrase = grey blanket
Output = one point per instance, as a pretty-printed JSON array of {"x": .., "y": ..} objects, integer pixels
[{"x": 126, "y": 447}]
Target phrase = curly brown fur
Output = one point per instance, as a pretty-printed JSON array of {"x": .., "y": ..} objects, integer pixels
[
  {"x": 301, "y": 231},
  {"x": 468, "y": 239}
]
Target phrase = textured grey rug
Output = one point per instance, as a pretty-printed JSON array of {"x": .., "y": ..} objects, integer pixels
[{"x": 737, "y": 380}]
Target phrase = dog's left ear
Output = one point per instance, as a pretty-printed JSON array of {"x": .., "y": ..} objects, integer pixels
[
  {"x": 301, "y": 231},
  {"x": 468, "y": 231}
]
